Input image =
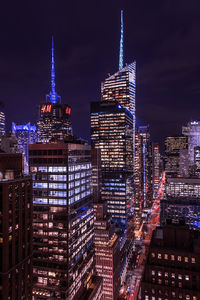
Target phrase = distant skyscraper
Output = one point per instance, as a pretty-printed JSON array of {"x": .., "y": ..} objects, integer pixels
[
  {"x": 2, "y": 124},
  {"x": 156, "y": 168},
  {"x": 54, "y": 117},
  {"x": 25, "y": 134},
  {"x": 143, "y": 177},
  {"x": 112, "y": 133},
  {"x": 173, "y": 146},
  {"x": 146, "y": 165},
  {"x": 138, "y": 182},
  {"x": 192, "y": 131},
  {"x": 181, "y": 201},
  {"x": 15, "y": 229},
  {"x": 63, "y": 227}
]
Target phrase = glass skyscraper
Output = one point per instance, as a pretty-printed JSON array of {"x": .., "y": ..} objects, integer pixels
[
  {"x": 62, "y": 219},
  {"x": 121, "y": 87},
  {"x": 112, "y": 133}
]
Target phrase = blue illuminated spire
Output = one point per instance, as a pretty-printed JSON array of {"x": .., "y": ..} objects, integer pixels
[
  {"x": 53, "y": 96},
  {"x": 121, "y": 54}
]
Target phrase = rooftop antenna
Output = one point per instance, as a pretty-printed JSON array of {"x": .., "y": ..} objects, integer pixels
[
  {"x": 53, "y": 96},
  {"x": 121, "y": 54}
]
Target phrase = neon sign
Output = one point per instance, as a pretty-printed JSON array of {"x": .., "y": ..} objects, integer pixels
[
  {"x": 46, "y": 108},
  {"x": 68, "y": 110}
]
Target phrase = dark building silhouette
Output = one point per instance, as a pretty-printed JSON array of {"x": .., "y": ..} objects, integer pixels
[
  {"x": 15, "y": 229},
  {"x": 172, "y": 269}
]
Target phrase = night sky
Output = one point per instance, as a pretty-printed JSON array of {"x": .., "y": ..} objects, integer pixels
[{"x": 163, "y": 36}]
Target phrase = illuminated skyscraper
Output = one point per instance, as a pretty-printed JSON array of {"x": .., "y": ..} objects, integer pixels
[
  {"x": 54, "y": 116},
  {"x": 181, "y": 201},
  {"x": 138, "y": 181},
  {"x": 107, "y": 246},
  {"x": 63, "y": 226},
  {"x": 16, "y": 219},
  {"x": 147, "y": 164},
  {"x": 156, "y": 168},
  {"x": 143, "y": 177},
  {"x": 192, "y": 131},
  {"x": 121, "y": 86},
  {"x": 25, "y": 134},
  {"x": 112, "y": 133},
  {"x": 2, "y": 124},
  {"x": 173, "y": 146}
]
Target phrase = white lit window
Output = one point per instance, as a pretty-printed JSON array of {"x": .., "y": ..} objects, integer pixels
[
  {"x": 179, "y": 258},
  {"x": 193, "y": 260}
]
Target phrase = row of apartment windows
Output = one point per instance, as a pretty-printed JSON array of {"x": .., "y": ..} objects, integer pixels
[
  {"x": 173, "y": 257},
  {"x": 180, "y": 296},
  {"x": 173, "y": 275}
]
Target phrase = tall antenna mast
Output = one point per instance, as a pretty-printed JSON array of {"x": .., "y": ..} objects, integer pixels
[
  {"x": 121, "y": 54},
  {"x": 53, "y": 96}
]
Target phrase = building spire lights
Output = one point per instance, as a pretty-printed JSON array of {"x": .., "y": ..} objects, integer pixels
[
  {"x": 121, "y": 54},
  {"x": 53, "y": 96}
]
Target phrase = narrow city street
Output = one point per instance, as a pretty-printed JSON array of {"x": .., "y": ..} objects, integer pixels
[{"x": 130, "y": 291}]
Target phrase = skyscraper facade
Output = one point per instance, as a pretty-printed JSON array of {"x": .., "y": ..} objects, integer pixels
[
  {"x": 63, "y": 226},
  {"x": 192, "y": 131},
  {"x": 112, "y": 133},
  {"x": 106, "y": 241},
  {"x": 54, "y": 116},
  {"x": 181, "y": 201},
  {"x": 138, "y": 181},
  {"x": 2, "y": 123},
  {"x": 146, "y": 166},
  {"x": 143, "y": 174},
  {"x": 15, "y": 229},
  {"x": 173, "y": 146},
  {"x": 156, "y": 168},
  {"x": 25, "y": 134}
]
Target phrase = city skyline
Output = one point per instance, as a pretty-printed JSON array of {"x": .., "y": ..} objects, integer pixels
[{"x": 87, "y": 44}]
